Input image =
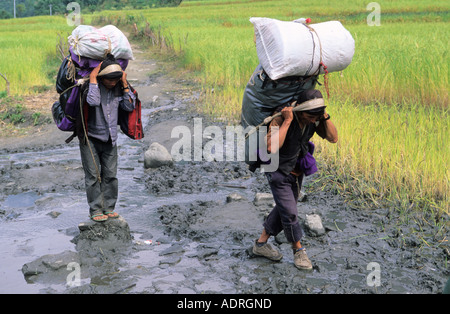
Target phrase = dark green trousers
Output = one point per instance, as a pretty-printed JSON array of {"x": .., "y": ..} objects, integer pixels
[{"x": 101, "y": 195}]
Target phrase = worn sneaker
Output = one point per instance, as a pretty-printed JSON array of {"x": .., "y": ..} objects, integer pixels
[
  {"x": 267, "y": 251},
  {"x": 301, "y": 260}
]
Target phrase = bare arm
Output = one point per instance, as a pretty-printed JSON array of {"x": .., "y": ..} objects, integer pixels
[
  {"x": 286, "y": 117},
  {"x": 327, "y": 130},
  {"x": 93, "y": 96}
]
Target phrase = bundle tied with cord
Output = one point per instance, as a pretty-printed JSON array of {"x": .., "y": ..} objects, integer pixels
[
  {"x": 90, "y": 42},
  {"x": 88, "y": 46},
  {"x": 294, "y": 48},
  {"x": 292, "y": 55},
  {"x": 308, "y": 105}
]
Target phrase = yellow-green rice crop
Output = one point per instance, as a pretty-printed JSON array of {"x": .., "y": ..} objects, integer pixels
[
  {"x": 400, "y": 152},
  {"x": 26, "y": 46}
]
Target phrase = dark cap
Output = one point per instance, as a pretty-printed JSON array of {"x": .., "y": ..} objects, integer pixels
[{"x": 309, "y": 95}]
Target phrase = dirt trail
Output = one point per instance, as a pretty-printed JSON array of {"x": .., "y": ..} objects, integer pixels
[{"x": 189, "y": 234}]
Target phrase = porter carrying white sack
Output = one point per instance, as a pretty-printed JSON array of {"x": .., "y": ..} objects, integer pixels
[
  {"x": 90, "y": 42},
  {"x": 296, "y": 49}
]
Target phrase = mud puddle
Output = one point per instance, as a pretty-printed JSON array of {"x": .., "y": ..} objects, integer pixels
[{"x": 192, "y": 223}]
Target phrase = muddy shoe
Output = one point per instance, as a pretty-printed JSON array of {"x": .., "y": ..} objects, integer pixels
[
  {"x": 266, "y": 250},
  {"x": 301, "y": 260}
]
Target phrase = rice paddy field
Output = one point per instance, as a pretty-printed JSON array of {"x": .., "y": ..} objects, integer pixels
[
  {"x": 390, "y": 105},
  {"x": 28, "y": 52}
]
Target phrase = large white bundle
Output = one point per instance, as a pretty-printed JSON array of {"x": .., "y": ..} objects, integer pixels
[
  {"x": 292, "y": 49},
  {"x": 90, "y": 42}
]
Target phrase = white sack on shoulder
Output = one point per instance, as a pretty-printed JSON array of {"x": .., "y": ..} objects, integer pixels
[
  {"x": 292, "y": 49},
  {"x": 121, "y": 48},
  {"x": 90, "y": 42}
]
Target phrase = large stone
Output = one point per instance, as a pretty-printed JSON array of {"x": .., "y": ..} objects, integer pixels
[
  {"x": 157, "y": 156},
  {"x": 111, "y": 229},
  {"x": 103, "y": 245},
  {"x": 100, "y": 246}
]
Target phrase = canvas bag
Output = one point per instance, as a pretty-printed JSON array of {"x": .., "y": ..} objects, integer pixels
[
  {"x": 287, "y": 48},
  {"x": 260, "y": 101},
  {"x": 90, "y": 42},
  {"x": 66, "y": 111}
]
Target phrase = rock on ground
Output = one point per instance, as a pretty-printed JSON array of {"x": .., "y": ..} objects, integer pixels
[
  {"x": 314, "y": 225},
  {"x": 157, "y": 156}
]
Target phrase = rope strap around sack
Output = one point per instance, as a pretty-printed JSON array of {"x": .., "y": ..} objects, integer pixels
[
  {"x": 99, "y": 178},
  {"x": 107, "y": 51},
  {"x": 304, "y": 106},
  {"x": 71, "y": 74},
  {"x": 75, "y": 47},
  {"x": 321, "y": 64},
  {"x": 80, "y": 82}
]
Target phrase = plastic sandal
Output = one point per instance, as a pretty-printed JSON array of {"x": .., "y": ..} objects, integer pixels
[
  {"x": 100, "y": 219},
  {"x": 111, "y": 214}
]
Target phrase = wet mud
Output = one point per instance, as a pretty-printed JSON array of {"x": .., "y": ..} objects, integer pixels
[{"x": 189, "y": 227}]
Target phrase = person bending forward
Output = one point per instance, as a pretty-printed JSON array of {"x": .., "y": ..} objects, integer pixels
[{"x": 294, "y": 130}]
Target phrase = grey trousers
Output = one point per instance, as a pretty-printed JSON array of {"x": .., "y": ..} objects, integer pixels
[{"x": 100, "y": 195}]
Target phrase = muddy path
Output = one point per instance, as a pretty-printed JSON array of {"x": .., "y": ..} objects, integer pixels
[{"x": 192, "y": 223}]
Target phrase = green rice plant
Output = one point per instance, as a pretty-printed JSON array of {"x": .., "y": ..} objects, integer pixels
[
  {"x": 397, "y": 63},
  {"x": 25, "y": 46},
  {"x": 399, "y": 151}
]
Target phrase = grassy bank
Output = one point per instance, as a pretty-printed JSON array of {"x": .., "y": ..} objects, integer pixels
[
  {"x": 28, "y": 52},
  {"x": 29, "y": 60},
  {"x": 390, "y": 105}
]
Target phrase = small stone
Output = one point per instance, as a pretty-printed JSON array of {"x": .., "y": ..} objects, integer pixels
[
  {"x": 314, "y": 225},
  {"x": 43, "y": 200},
  {"x": 263, "y": 197},
  {"x": 176, "y": 248},
  {"x": 234, "y": 197},
  {"x": 171, "y": 260},
  {"x": 54, "y": 214}
]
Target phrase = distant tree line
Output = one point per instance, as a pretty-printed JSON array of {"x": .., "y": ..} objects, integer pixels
[{"x": 26, "y": 8}]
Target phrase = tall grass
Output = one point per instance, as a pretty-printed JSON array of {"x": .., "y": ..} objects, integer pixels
[
  {"x": 397, "y": 63},
  {"x": 395, "y": 152},
  {"x": 27, "y": 46}
]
